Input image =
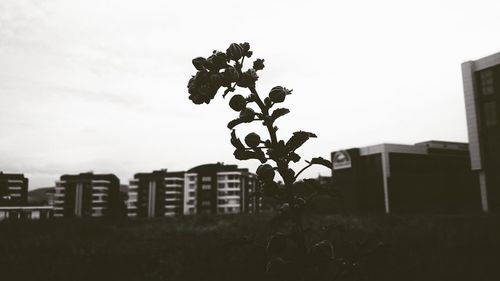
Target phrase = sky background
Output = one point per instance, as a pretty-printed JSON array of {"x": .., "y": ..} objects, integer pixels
[{"x": 101, "y": 85}]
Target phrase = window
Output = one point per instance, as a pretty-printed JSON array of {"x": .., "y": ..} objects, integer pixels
[
  {"x": 490, "y": 113},
  {"x": 222, "y": 193},
  {"x": 192, "y": 178},
  {"x": 221, "y": 178},
  {"x": 206, "y": 187},
  {"x": 206, "y": 179},
  {"x": 192, "y": 186},
  {"x": 221, "y": 202},
  {"x": 233, "y": 177},
  {"x": 191, "y": 193},
  {"x": 487, "y": 86},
  {"x": 206, "y": 203},
  {"x": 222, "y": 185}
]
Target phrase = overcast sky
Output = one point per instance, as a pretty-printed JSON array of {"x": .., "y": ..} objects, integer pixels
[{"x": 101, "y": 85}]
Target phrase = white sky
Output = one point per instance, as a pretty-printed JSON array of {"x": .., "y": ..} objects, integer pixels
[{"x": 101, "y": 85}]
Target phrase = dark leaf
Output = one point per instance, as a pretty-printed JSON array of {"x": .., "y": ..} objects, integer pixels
[
  {"x": 321, "y": 161},
  {"x": 294, "y": 157},
  {"x": 277, "y": 113},
  {"x": 298, "y": 139},
  {"x": 234, "y": 123},
  {"x": 246, "y": 154},
  {"x": 261, "y": 154},
  {"x": 236, "y": 142}
]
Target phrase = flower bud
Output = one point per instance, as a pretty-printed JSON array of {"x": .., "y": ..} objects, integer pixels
[
  {"x": 247, "y": 115},
  {"x": 258, "y": 64},
  {"x": 265, "y": 172},
  {"x": 199, "y": 63},
  {"x": 278, "y": 94},
  {"x": 252, "y": 140},
  {"x": 231, "y": 74},
  {"x": 237, "y": 102},
  {"x": 235, "y": 51}
]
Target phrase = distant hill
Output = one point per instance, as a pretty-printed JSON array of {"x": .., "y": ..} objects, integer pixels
[{"x": 39, "y": 196}]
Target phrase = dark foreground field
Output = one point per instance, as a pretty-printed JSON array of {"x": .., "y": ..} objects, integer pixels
[{"x": 207, "y": 248}]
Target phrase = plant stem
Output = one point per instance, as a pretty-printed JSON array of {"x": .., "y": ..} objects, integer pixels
[
  {"x": 265, "y": 112},
  {"x": 289, "y": 181},
  {"x": 303, "y": 169}
]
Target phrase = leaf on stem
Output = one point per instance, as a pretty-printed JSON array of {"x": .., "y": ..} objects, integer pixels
[
  {"x": 321, "y": 161},
  {"x": 278, "y": 112},
  {"x": 298, "y": 139},
  {"x": 236, "y": 142},
  {"x": 234, "y": 123}
]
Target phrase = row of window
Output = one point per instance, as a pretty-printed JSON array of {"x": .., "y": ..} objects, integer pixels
[
  {"x": 229, "y": 184},
  {"x": 229, "y": 193},
  {"x": 228, "y": 201},
  {"x": 223, "y": 210},
  {"x": 228, "y": 177}
]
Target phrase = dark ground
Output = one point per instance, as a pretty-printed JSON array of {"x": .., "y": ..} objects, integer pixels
[{"x": 206, "y": 248}]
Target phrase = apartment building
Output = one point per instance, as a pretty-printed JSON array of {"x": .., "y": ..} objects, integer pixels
[
  {"x": 222, "y": 189},
  {"x": 13, "y": 189},
  {"x": 156, "y": 194},
  {"x": 205, "y": 189},
  {"x": 87, "y": 195}
]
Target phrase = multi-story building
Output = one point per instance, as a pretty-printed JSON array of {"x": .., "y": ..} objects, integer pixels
[
  {"x": 481, "y": 80},
  {"x": 221, "y": 189},
  {"x": 87, "y": 195},
  {"x": 13, "y": 189},
  {"x": 205, "y": 189},
  {"x": 431, "y": 176},
  {"x": 156, "y": 194}
]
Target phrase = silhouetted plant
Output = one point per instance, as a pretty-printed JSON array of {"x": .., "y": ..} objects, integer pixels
[{"x": 290, "y": 256}]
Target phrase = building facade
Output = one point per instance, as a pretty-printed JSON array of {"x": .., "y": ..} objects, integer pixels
[
  {"x": 87, "y": 195},
  {"x": 223, "y": 189},
  {"x": 13, "y": 189},
  {"x": 205, "y": 189},
  {"x": 481, "y": 81},
  {"x": 430, "y": 177},
  {"x": 156, "y": 194}
]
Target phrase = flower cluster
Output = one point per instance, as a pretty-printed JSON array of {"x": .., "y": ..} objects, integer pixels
[{"x": 222, "y": 69}]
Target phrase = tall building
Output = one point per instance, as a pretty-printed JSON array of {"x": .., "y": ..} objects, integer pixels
[
  {"x": 87, "y": 195},
  {"x": 205, "y": 189},
  {"x": 481, "y": 80},
  {"x": 431, "y": 176},
  {"x": 156, "y": 194},
  {"x": 13, "y": 189},
  {"x": 221, "y": 189}
]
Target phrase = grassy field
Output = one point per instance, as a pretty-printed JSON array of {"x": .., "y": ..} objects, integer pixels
[{"x": 207, "y": 248}]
